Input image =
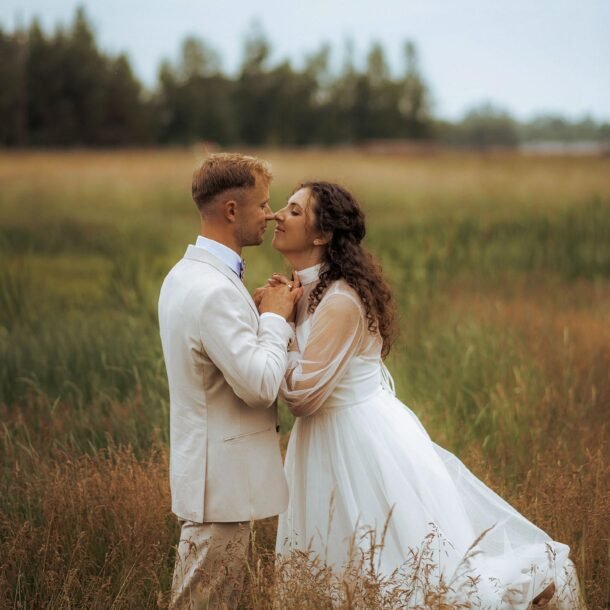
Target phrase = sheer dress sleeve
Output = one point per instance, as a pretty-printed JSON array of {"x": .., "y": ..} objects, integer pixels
[{"x": 337, "y": 329}]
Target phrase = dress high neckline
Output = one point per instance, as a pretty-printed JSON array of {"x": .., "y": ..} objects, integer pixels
[{"x": 310, "y": 274}]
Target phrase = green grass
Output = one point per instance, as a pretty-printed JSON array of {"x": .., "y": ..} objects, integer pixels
[{"x": 500, "y": 267}]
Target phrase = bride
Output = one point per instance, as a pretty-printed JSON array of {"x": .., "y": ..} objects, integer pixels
[{"x": 359, "y": 461}]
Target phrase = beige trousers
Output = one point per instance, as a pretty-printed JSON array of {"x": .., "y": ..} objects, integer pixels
[{"x": 209, "y": 569}]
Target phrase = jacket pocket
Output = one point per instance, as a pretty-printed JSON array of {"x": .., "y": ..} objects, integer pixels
[{"x": 238, "y": 437}]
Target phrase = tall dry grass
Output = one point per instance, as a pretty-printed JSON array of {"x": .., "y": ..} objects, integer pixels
[
  {"x": 85, "y": 531},
  {"x": 500, "y": 265},
  {"x": 97, "y": 532}
]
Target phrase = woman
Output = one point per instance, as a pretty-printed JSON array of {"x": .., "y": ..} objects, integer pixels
[{"x": 364, "y": 477}]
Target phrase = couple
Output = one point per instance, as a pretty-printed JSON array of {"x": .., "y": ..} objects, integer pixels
[{"x": 358, "y": 460}]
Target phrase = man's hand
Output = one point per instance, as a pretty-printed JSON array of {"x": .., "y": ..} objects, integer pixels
[{"x": 279, "y": 297}]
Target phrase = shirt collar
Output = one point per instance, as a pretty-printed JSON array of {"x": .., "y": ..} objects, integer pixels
[
  {"x": 229, "y": 257},
  {"x": 309, "y": 275}
]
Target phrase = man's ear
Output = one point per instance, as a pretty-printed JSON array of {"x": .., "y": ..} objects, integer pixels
[{"x": 229, "y": 210}]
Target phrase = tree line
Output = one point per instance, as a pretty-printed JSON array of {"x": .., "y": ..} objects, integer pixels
[{"x": 60, "y": 89}]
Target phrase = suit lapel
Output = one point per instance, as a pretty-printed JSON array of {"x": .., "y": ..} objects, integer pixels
[{"x": 201, "y": 255}]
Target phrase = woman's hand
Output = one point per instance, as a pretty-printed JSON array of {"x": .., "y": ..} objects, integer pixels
[
  {"x": 295, "y": 284},
  {"x": 277, "y": 279},
  {"x": 257, "y": 297}
]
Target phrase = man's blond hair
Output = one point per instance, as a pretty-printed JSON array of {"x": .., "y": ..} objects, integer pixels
[{"x": 222, "y": 172}]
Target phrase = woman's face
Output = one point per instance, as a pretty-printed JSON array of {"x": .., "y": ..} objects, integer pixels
[{"x": 294, "y": 232}]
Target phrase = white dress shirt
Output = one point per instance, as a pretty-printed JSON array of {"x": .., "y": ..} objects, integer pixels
[{"x": 229, "y": 257}]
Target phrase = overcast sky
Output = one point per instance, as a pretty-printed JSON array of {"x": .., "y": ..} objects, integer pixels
[{"x": 528, "y": 56}]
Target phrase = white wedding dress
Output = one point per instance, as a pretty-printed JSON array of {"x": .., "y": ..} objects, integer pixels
[{"x": 359, "y": 460}]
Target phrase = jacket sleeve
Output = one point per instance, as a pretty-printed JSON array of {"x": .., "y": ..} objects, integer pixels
[
  {"x": 336, "y": 334},
  {"x": 253, "y": 363}
]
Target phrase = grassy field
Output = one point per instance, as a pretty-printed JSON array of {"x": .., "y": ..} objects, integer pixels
[{"x": 501, "y": 268}]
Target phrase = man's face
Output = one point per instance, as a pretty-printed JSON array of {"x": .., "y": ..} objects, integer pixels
[{"x": 253, "y": 214}]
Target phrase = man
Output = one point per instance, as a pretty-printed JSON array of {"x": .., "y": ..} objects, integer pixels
[{"x": 224, "y": 366}]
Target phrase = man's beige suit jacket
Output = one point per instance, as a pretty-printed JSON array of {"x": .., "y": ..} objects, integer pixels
[{"x": 224, "y": 367}]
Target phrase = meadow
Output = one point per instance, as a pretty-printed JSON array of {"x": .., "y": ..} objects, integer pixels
[{"x": 500, "y": 265}]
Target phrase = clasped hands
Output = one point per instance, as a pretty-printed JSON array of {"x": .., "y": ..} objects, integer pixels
[{"x": 279, "y": 295}]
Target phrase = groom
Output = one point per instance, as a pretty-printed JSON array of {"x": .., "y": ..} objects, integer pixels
[{"x": 224, "y": 366}]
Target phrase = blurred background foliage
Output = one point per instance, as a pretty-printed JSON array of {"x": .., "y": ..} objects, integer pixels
[{"x": 60, "y": 89}]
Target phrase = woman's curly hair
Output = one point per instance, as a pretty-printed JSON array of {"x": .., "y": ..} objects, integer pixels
[{"x": 337, "y": 213}]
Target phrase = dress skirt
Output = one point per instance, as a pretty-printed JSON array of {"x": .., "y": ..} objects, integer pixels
[{"x": 365, "y": 478}]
